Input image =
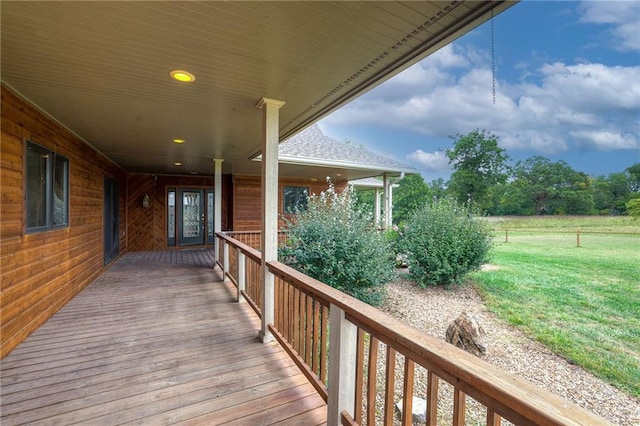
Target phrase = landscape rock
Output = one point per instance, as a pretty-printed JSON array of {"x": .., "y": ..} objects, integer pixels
[
  {"x": 419, "y": 409},
  {"x": 466, "y": 333}
]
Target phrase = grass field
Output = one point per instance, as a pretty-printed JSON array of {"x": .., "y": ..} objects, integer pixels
[{"x": 582, "y": 302}]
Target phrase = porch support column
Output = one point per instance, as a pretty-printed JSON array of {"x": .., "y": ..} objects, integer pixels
[
  {"x": 269, "y": 236},
  {"x": 377, "y": 207},
  {"x": 387, "y": 201},
  {"x": 217, "y": 204}
]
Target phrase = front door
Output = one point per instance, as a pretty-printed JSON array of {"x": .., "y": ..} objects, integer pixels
[
  {"x": 191, "y": 217},
  {"x": 111, "y": 220}
]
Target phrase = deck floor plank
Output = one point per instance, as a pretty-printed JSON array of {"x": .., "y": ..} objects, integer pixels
[{"x": 157, "y": 339}]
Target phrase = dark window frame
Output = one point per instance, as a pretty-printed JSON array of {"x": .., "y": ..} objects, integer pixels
[
  {"x": 300, "y": 196},
  {"x": 45, "y": 197}
]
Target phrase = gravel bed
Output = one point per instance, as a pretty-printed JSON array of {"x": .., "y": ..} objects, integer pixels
[{"x": 432, "y": 309}]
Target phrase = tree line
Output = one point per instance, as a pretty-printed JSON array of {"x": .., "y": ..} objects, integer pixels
[{"x": 483, "y": 178}]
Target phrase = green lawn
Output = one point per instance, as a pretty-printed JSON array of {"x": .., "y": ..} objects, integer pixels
[{"x": 583, "y": 303}]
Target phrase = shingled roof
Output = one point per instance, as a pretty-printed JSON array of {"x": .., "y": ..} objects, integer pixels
[{"x": 312, "y": 147}]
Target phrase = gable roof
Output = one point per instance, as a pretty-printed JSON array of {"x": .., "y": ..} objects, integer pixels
[{"x": 312, "y": 147}]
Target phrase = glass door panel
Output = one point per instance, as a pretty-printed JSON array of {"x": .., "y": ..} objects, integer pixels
[
  {"x": 210, "y": 224},
  {"x": 171, "y": 217},
  {"x": 192, "y": 216}
]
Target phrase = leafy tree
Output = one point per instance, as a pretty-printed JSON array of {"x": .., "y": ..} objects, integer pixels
[
  {"x": 437, "y": 188},
  {"x": 333, "y": 241},
  {"x": 509, "y": 199},
  {"x": 444, "y": 241},
  {"x": 365, "y": 199},
  {"x": 410, "y": 194},
  {"x": 479, "y": 163},
  {"x": 633, "y": 208},
  {"x": 634, "y": 177},
  {"x": 553, "y": 188},
  {"x": 611, "y": 193}
]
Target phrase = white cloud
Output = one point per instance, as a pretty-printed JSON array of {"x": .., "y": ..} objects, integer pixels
[
  {"x": 607, "y": 140},
  {"x": 623, "y": 17},
  {"x": 585, "y": 106},
  {"x": 430, "y": 161}
]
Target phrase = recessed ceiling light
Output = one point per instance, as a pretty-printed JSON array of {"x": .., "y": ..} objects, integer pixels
[
  {"x": 179, "y": 141},
  {"x": 182, "y": 75},
  {"x": 177, "y": 163}
]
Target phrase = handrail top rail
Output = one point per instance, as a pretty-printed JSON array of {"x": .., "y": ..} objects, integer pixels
[
  {"x": 246, "y": 249},
  {"x": 513, "y": 397}
]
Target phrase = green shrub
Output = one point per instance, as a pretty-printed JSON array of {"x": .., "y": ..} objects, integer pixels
[
  {"x": 445, "y": 241},
  {"x": 335, "y": 242},
  {"x": 633, "y": 208}
]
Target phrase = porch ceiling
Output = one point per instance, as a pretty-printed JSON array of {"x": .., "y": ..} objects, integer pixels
[{"x": 101, "y": 68}]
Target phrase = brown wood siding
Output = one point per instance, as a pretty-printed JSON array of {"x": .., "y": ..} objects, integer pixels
[
  {"x": 247, "y": 199},
  {"x": 148, "y": 226},
  {"x": 40, "y": 272}
]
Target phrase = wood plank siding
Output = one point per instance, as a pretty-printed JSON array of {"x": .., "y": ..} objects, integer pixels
[
  {"x": 157, "y": 339},
  {"x": 148, "y": 226},
  {"x": 247, "y": 197},
  {"x": 40, "y": 272}
]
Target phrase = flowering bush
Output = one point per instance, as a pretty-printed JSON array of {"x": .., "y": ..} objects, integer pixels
[
  {"x": 334, "y": 241},
  {"x": 445, "y": 241}
]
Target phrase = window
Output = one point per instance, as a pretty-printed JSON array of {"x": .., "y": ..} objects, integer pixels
[
  {"x": 47, "y": 189},
  {"x": 295, "y": 199}
]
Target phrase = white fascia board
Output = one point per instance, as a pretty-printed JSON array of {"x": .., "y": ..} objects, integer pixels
[{"x": 300, "y": 161}]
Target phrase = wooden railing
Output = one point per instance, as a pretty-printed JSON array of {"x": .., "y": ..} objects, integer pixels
[
  {"x": 361, "y": 360},
  {"x": 253, "y": 238},
  {"x": 241, "y": 264}
]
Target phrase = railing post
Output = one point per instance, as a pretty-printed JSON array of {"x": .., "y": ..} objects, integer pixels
[
  {"x": 225, "y": 259},
  {"x": 342, "y": 366},
  {"x": 242, "y": 283}
]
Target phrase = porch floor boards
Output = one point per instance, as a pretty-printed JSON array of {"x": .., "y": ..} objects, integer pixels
[{"x": 157, "y": 339}]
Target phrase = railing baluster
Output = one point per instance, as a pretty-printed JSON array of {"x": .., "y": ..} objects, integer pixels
[
  {"x": 372, "y": 379},
  {"x": 493, "y": 419},
  {"x": 390, "y": 384},
  {"x": 323, "y": 344},
  {"x": 407, "y": 399},
  {"x": 459, "y": 407},
  {"x": 292, "y": 317},
  {"x": 301, "y": 327},
  {"x": 296, "y": 319},
  {"x": 432, "y": 399},
  {"x": 359, "y": 376},
  {"x": 309, "y": 333},
  {"x": 277, "y": 314},
  {"x": 315, "y": 363}
]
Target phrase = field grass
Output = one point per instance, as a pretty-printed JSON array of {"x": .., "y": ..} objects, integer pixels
[
  {"x": 587, "y": 224},
  {"x": 582, "y": 302}
]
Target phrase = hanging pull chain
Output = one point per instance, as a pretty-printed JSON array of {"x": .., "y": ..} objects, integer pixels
[{"x": 493, "y": 60}]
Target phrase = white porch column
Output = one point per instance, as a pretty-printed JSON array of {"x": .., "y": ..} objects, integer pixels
[
  {"x": 269, "y": 237},
  {"x": 342, "y": 366},
  {"x": 217, "y": 203},
  {"x": 377, "y": 207},
  {"x": 386, "y": 181}
]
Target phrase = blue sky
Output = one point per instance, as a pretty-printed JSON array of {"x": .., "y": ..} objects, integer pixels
[{"x": 567, "y": 88}]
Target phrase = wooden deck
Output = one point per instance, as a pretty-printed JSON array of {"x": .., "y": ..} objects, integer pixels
[{"x": 157, "y": 339}]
